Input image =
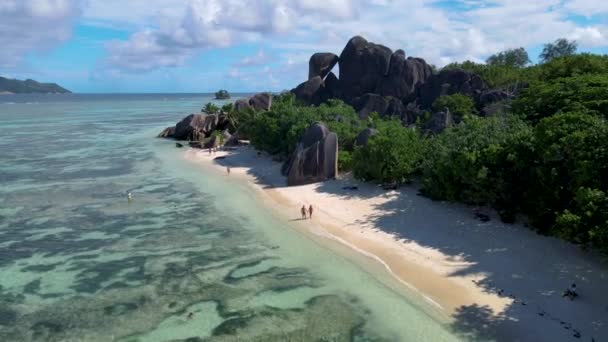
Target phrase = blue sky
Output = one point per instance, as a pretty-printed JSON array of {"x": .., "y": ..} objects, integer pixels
[{"x": 254, "y": 45}]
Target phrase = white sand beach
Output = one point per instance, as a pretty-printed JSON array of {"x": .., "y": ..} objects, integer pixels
[{"x": 494, "y": 280}]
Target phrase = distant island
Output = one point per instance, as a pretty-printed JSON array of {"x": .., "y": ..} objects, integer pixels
[
  {"x": 12, "y": 86},
  {"x": 222, "y": 95}
]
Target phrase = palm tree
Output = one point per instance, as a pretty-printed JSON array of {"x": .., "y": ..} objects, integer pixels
[{"x": 210, "y": 108}]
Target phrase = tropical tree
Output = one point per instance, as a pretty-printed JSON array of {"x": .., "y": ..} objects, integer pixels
[
  {"x": 390, "y": 156},
  {"x": 515, "y": 58},
  {"x": 210, "y": 108},
  {"x": 560, "y": 48},
  {"x": 458, "y": 104}
]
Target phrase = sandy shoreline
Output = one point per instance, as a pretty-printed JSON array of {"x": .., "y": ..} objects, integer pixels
[{"x": 491, "y": 279}]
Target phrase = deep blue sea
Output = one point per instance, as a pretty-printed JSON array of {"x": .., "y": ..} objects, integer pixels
[{"x": 79, "y": 262}]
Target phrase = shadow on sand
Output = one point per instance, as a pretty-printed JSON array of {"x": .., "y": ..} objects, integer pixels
[{"x": 499, "y": 253}]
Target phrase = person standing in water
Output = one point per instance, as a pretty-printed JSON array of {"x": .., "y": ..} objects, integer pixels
[
  {"x": 129, "y": 196},
  {"x": 303, "y": 211},
  {"x": 310, "y": 211}
]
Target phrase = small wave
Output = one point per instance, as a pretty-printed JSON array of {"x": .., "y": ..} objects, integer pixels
[{"x": 9, "y": 103}]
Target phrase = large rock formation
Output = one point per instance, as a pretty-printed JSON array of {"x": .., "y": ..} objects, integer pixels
[
  {"x": 332, "y": 86},
  {"x": 386, "y": 107},
  {"x": 375, "y": 79},
  {"x": 260, "y": 101},
  {"x": 369, "y": 103},
  {"x": 449, "y": 82},
  {"x": 363, "y": 137},
  {"x": 167, "y": 132},
  {"x": 492, "y": 101},
  {"x": 363, "y": 65},
  {"x": 439, "y": 122},
  {"x": 315, "y": 158},
  {"x": 196, "y": 126},
  {"x": 311, "y": 92},
  {"x": 403, "y": 76},
  {"x": 321, "y": 63}
]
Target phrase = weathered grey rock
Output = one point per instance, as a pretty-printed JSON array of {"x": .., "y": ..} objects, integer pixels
[
  {"x": 363, "y": 66},
  {"x": 363, "y": 137},
  {"x": 311, "y": 92},
  {"x": 396, "y": 109},
  {"x": 241, "y": 104},
  {"x": 167, "y": 132},
  {"x": 332, "y": 86},
  {"x": 261, "y": 101},
  {"x": 196, "y": 127},
  {"x": 492, "y": 101},
  {"x": 439, "y": 122},
  {"x": 315, "y": 158},
  {"x": 213, "y": 142},
  {"x": 404, "y": 76},
  {"x": 449, "y": 82},
  {"x": 369, "y": 103},
  {"x": 321, "y": 63}
]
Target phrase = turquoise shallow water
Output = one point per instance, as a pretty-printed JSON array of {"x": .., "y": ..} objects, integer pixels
[{"x": 79, "y": 262}]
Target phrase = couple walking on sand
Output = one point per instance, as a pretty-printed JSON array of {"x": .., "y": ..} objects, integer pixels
[{"x": 304, "y": 212}]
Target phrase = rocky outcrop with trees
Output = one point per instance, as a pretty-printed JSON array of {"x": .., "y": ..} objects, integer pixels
[
  {"x": 526, "y": 140},
  {"x": 373, "y": 78}
]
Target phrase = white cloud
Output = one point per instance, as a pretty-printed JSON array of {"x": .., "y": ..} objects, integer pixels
[
  {"x": 33, "y": 25},
  {"x": 260, "y": 58},
  {"x": 588, "y": 8},
  {"x": 217, "y": 23},
  {"x": 167, "y": 33},
  {"x": 591, "y": 36}
]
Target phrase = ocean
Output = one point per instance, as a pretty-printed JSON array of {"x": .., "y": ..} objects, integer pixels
[{"x": 193, "y": 257}]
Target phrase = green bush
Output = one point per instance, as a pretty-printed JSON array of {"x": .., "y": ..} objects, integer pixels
[
  {"x": 481, "y": 161},
  {"x": 497, "y": 76},
  {"x": 345, "y": 161},
  {"x": 210, "y": 108},
  {"x": 586, "y": 222},
  {"x": 571, "y": 153},
  {"x": 278, "y": 130},
  {"x": 543, "y": 99},
  {"x": 574, "y": 65},
  {"x": 390, "y": 156},
  {"x": 459, "y": 105}
]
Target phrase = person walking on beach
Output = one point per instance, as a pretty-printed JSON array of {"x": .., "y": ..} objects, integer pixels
[
  {"x": 303, "y": 211},
  {"x": 228, "y": 170},
  {"x": 310, "y": 211}
]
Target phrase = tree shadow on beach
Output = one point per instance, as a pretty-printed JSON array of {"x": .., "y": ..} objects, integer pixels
[
  {"x": 510, "y": 261},
  {"x": 495, "y": 253}
]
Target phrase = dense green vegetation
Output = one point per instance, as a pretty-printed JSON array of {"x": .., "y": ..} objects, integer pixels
[
  {"x": 545, "y": 157},
  {"x": 459, "y": 105},
  {"x": 390, "y": 156},
  {"x": 560, "y": 48},
  {"x": 29, "y": 87},
  {"x": 479, "y": 162},
  {"x": 515, "y": 58},
  {"x": 278, "y": 130}
]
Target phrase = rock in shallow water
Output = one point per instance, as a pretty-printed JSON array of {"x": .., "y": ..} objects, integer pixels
[{"x": 196, "y": 126}]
